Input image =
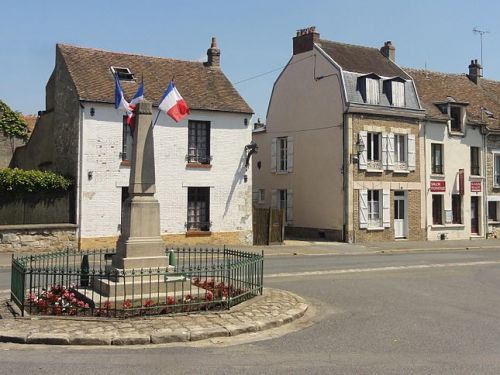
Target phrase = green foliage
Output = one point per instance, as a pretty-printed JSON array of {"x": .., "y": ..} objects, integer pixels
[
  {"x": 33, "y": 181},
  {"x": 12, "y": 123}
]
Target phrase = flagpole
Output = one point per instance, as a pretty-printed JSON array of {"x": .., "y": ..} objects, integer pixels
[{"x": 156, "y": 119}]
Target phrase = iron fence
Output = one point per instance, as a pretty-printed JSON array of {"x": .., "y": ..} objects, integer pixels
[{"x": 79, "y": 283}]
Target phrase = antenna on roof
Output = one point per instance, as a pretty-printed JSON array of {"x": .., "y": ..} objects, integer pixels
[{"x": 475, "y": 30}]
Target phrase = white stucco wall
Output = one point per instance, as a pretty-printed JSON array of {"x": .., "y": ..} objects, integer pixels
[
  {"x": 230, "y": 196},
  {"x": 456, "y": 156}
]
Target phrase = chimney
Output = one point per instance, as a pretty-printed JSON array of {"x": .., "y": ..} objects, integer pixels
[
  {"x": 213, "y": 54},
  {"x": 389, "y": 51},
  {"x": 305, "y": 39},
  {"x": 474, "y": 71}
]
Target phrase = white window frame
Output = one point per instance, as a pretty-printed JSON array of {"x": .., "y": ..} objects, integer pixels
[
  {"x": 261, "y": 197},
  {"x": 371, "y": 139},
  {"x": 462, "y": 117},
  {"x": 400, "y": 149},
  {"x": 281, "y": 154},
  {"x": 442, "y": 159},
  {"x": 496, "y": 169},
  {"x": 374, "y": 209}
]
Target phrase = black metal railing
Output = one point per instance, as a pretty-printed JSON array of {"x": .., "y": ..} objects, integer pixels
[
  {"x": 437, "y": 169},
  {"x": 83, "y": 283},
  {"x": 201, "y": 157},
  {"x": 198, "y": 225}
]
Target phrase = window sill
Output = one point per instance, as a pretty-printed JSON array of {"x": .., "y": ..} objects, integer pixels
[
  {"x": 198, "y": 233},
  {"x": 444, "y": 226},
  {"x": 458, "y": 133},
  {"x": 476, "y": 177},
  {"x": 375, "y": 229},
  {"x": 198, "y": 166},
  {"x": 125, "y": 163},
  {"x": 401, "y": 171},
  {"x": 435, "y": 175},
  {"x": 374, "y": 170}
]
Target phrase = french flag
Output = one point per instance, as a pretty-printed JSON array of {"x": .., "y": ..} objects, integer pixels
[
  {"x": 173, "y": 104},
  {"x": 120, "y": 102},
  {"x": 138, "y": 97}
]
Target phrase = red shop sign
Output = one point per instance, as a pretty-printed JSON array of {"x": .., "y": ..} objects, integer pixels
[
  {"x": 475, "y": 186},
  {"x": 438, "y": 186}
]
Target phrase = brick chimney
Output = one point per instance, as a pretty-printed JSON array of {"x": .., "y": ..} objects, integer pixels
[
  {"x": 474, "y": 71},
  {"x": 305, "y": 39},
  {"x": 213, "y": 54},
  {"x": 389, "y": 51}
]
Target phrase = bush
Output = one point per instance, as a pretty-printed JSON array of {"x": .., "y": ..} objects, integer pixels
[
  {"x": 33, "y": 181},
  {"x": 12, "y": 123}
]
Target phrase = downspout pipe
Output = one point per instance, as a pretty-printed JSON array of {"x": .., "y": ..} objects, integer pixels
[{"x": 79, "y": 176}]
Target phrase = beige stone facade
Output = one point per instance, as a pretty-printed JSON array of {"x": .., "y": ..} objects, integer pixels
[{"x": 408, "y": 182}]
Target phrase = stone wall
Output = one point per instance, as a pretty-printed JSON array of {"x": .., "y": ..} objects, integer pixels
[
  {"x": 7, "y": 147},
  {"x": 37, "y": 238}
]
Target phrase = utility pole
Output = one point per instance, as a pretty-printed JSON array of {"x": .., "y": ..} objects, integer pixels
[{"x": 475, "y": 30}]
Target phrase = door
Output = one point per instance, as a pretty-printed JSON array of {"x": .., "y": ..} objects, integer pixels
[
  {"x": 399, "y": 214},
  {"x": 474, "y": 215}
]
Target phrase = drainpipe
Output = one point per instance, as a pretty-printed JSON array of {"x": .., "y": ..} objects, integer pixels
[
  {"x": 79, "y": 176},
  {"x": 426, "y": 197},
  {"x": 485, "y": 183}
]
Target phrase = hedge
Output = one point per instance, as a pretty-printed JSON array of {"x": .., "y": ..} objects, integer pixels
[{"x": 33, "y": 181}]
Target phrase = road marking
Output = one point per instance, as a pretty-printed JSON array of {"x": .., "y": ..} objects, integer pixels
[{"x": 382, "y": 269}]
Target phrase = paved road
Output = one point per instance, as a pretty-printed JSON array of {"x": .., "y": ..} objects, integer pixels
[{"x": 398, "y": 314}]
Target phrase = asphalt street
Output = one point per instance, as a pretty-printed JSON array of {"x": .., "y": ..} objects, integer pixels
[{"x": 419, "y": 313}]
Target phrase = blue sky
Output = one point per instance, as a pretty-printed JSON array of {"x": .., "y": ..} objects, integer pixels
[{"x": 254, "y": 36}]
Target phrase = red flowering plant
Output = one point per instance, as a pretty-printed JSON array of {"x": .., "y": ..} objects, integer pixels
[{"x": 57, "y": 300}]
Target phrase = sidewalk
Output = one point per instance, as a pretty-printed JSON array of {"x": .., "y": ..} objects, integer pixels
[
  {"x": 300, "y": 247},
  {"x": 273, "y": 309}
]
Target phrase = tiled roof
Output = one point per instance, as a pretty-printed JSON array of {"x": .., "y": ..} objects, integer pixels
[
  {"x": 361, "y": 59},
  {"x": 30, "y": 121},
  {"x": 433, "y": 87},
  {"x": 203, "y": 87}
]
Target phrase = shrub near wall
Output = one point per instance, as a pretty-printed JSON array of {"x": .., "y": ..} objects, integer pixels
[{"x": 35, "y": 197}]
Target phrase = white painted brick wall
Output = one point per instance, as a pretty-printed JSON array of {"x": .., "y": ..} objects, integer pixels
[{"x": 230, "y": 196}]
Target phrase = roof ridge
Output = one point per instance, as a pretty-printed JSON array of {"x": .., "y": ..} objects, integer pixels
[
  {"x": 349, "y": 44},
  {"x": 126, "y": 53},
  {"x": 433, "y": 72}
]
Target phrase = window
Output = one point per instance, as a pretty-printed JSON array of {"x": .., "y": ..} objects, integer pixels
[
  {"x": 456, "y": 208},
  {"x": 127, "y": 140},
  {"x": 496, "y": 178},
  {"x": 373, "y": 146},
  {"x": 374, "y": 208},
  {"x": 262, "y": 195},
  {"x": 372, "y": 95},
  {"x": 437, "y": 209},
  {"x": 283, "y": 199},
  {"x": 456, "y": 118},
  {"x": 198, "y": 215},
  {"x": 398, "y": 93},
  {"x": 492, "y": 211},
  {"x": 282, "y": 154},
  {"x": 199, "y": 142},
  {"x": 123, "y": 74},
  {"x": 474, "y": 161},
  {"x": 437, "y": 158},
  {"x": 400, "y": 148}
]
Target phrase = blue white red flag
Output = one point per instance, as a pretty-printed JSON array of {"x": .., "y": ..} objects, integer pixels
[
  {"x": 173, "y": 103},
  {"x": 138, "y": 97},
  {"x": 120, "y": 102}
]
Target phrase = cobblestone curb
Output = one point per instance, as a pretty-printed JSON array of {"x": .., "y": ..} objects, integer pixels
[{"x": 273, "y": 309}]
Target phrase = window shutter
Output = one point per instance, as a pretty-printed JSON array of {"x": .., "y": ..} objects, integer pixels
[
  {"x": 386, "y": 204},
  {"x": 289, "y": 154},
  {"x": 384, "y": 151},
  {"x": 363, "y": 208},
  {"x": 273, "y": 155},
  {"x": 363, "y": 154},
  {"x": 390, "y": 151},
  {"x": 398, "y": 94},
  {"x": 274, "y": 198},
  {"x": 411, "y": 152},
  {"x": 289, "y": 206}
]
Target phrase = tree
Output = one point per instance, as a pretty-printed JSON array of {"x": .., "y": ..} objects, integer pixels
[{"x": 11, "y": 123}]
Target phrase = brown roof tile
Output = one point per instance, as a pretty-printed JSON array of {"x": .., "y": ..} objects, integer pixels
[
  {"x": 433, "y": 87},
  {"x": 202, "y": 87},
  {"x": 360, "y": 59}
]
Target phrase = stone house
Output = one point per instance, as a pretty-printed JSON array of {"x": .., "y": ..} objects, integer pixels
[
  {"x": 455, "y": 169},
  {"x": 202, "y": 185},
  {"x": 341, "y": 149}
]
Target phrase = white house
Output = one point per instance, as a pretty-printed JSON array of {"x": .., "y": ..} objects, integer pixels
[{"x": 202, "y": 183}]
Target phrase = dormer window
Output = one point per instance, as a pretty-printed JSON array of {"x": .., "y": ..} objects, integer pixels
[
  {"x": 395, "y": 91},
  {"x": 124, "y": 74},
  {"x": 456, "y": 115},
  {"x": 370, "y": 90}
]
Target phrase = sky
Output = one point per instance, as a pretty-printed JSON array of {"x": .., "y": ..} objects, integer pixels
[{"x": 255, "y": 37}]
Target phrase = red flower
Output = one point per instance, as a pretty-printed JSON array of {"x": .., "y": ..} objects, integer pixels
[
  {"x": 209, "y": 295},
  {"x": 127, "y": 304},
  {"x": 170, "y": 300}
]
